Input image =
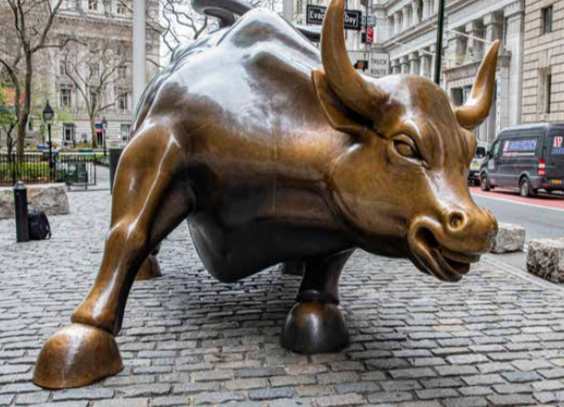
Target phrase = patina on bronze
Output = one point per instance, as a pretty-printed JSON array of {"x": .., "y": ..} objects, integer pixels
[{"x": 274, "y": 154}]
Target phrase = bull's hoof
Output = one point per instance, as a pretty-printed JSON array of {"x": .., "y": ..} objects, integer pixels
[
  {"x": 315, "y": 327},
  {"x": 149, "y": 269},
  {"x": 76, "y": 356}
]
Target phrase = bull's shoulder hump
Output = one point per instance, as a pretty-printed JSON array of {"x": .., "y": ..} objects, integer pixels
[{"x": 261, "y": 26}]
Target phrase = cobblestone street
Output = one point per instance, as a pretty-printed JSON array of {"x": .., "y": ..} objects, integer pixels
[{"x": 493, "y": 339}]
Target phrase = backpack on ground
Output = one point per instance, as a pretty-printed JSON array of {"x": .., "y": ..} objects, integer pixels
[{"x": 39, "y": 228}]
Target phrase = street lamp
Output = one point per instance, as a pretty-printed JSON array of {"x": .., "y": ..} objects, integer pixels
[
  {"x": 104, "y": 127},
  {"x": 48, "y": 116}
]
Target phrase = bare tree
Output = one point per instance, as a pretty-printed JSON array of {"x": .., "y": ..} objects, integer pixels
[
  {"x": 30, "y": 21},
  {"x": 8, "y": 122},
  {"x": 96, "y": 70}
]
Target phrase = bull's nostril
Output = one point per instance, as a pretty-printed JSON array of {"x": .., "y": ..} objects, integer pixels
[{"x": 456, "y": 220}]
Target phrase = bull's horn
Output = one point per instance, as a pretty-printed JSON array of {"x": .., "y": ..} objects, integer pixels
[
  {"x": 345, "y": 81},
  {"x": 477, "y": 108}
]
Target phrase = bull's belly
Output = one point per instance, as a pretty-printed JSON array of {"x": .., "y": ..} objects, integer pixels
[{"x": 235, "y": 252}]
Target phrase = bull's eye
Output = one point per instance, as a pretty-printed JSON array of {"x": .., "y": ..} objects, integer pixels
[{"x": 405, "y": 149}]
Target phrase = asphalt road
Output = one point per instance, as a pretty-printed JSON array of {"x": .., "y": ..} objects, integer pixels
[{"x": 542, "y": 217}]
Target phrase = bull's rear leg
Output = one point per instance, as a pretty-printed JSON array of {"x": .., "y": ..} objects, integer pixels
[
  {"x": 150, "y": 268},
  {"x": 151, "y": 197},
  {"x": 315, "y": 324}
]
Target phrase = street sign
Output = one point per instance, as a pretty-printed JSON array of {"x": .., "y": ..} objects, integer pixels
[
  {"x": 316, "y": 14},
  {"x": 371, "y": 20},
  {"x": 370, "y": 35},
  {"x": 380, "y": 63}
]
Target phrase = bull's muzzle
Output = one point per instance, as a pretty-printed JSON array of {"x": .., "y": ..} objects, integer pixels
[{"x": 447, "y": 247}]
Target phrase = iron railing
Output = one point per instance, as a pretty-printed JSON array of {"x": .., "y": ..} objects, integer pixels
[{"x": 34, "y": 168}]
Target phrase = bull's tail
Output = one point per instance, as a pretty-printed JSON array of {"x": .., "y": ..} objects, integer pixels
[{"x": 227, "y": 10}]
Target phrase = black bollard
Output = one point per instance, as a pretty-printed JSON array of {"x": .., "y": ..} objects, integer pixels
[{"x": 20, "y": 207}]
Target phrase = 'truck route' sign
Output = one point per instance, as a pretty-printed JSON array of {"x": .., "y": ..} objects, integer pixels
[{"x": 316, "y": 14}]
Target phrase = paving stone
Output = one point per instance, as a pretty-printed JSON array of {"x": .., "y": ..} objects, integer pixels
[
  {"x": 6, "y": 400},
  {"x": 466, "y": 402},
  {"x": 456, "y": 370},
  {"x": 246, "y": 384},
  {"x": 137, "y": 402},
  {"x": 511, "y": 400},
  {"x": 39, "y": 397},
  {"x": 85, "y": 393},
  {"x": 389, "y": 397},
  {"x": 359, "y": 387},
  {"x": 414, "y": 373},
  {"x": 436, "y": 393},
  {"x": 270, "y": 393},
  {"x": 479, "y": 380},
  {"x": 145, "y": 390},
  {"x": 218, "y": 397},
  {"x": 521, "y": 377},
  {"x": 336, "y": 378},
  {"x": 339, "y": 400}
]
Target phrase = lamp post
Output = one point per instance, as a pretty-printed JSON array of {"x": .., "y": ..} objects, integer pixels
[
  {"x": 104, "y": 127},
  {"x": 48, "y": 115},
  {"x": 440, "y": 32}
]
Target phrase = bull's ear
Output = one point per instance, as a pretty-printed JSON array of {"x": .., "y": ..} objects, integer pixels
[{"x": 339, "y": 115}]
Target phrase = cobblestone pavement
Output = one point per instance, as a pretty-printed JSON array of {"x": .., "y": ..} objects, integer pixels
[{"x": 493, "y": 339}]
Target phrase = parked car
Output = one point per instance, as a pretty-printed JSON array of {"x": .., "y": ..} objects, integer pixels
[
  {"x": 476, "y": 164},
  {"x": 529, "y": 157}
]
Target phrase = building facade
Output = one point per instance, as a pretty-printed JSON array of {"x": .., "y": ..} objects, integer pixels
[
  {"x": 98, "y": 24},
  {"x": 543, "y": 76},
  {"x": 93, "y": 68}
]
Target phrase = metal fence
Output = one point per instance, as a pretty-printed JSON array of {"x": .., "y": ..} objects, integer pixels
[{"x": 34, "y": 168}]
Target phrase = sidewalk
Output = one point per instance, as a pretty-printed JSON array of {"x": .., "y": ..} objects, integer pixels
[{"x": 493, "y": 339}]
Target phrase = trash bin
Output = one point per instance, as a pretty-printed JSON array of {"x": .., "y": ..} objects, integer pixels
[{"x": 115, "y": 154}]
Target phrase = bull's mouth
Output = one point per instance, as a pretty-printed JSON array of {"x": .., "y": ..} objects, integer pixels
[{"x": 434, "y": 258}]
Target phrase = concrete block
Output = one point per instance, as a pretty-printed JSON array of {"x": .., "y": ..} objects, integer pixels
[
  {"x": 49, "y": 198},
  {"x": 510, "y": 238},
  {"x": 545, "y": 258}
]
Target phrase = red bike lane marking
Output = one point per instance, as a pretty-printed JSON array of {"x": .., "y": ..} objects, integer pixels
[{"x": 549, "y": 201}]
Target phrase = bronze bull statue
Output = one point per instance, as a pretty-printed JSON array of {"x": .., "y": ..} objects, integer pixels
[{"x": 276, "y": 153}]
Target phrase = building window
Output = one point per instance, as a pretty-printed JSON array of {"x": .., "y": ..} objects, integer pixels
[
  {"x": 122, "y": 72},
  {"x": 125, "y": 130},
  {"x": 69, "y": 130},
  {"x": 122, "y": 101},
  {"x": 62, "y": 67},
  {"x": 120, "y": 8},
  {"x": 93, "y": 5},
  {"x": 65, "y": 94},
  {"x": 95, "y": 70},
  {"x": 548, "y": 92},
  {"x": 547, "y": 20}
]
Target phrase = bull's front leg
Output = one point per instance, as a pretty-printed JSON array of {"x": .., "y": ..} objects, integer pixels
[
  {"x": 151, "y": 197},
  {"x": 315, "y": 324}
]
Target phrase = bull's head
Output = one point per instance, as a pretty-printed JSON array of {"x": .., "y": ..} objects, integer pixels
[{"x": 401, "y": 182}]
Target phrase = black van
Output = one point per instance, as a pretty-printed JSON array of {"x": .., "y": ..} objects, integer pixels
[{"x": 528, "y": 157}]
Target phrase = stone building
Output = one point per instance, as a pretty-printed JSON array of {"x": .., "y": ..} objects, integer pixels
[
  {"x": 98, "y": 21},
  {"x": 543, "y": 76},
  {"x": 106, "y": 24}
]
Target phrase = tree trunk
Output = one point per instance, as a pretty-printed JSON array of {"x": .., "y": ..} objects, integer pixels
[
  {"x": 93, "y": 131},
  {"x": 23, "y": 118}
]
